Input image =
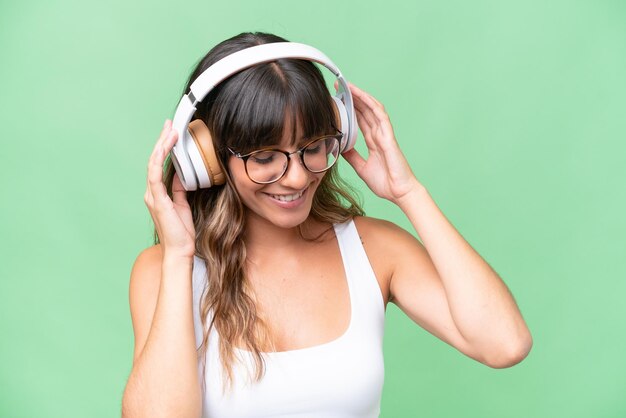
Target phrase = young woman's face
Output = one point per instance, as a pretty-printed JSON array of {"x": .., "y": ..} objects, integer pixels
[{"x": 285, "y": 203}]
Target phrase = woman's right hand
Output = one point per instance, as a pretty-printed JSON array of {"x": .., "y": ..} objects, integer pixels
[{"x": 172, "y": 219}]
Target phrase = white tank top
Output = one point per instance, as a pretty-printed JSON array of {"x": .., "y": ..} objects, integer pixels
[{"x": 338, "y": 379}]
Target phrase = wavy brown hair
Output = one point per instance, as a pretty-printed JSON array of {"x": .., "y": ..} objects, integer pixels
[{"x": 247, "y": 111}]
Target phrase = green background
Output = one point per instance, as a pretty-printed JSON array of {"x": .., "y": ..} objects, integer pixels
[{"x": 513, "y": 114}]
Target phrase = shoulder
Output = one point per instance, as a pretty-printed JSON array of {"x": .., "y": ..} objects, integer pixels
[
  {"x": 379, "y": 232},
  {"x": 149, "y": 255},
  {"x": 373, "y": 224},
  {"x": 145, "y": 281},
  {"x": 385, "y": 243},
  {"x": 147, "y": 265}
]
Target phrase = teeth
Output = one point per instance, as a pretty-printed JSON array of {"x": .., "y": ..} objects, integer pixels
[{"x": 287, "y": 198}]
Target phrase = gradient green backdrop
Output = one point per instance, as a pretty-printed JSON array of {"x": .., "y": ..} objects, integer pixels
[{"x": 513, "y": 114}]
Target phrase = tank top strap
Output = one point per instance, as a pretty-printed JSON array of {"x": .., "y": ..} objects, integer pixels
[
  {"x": 199, "y": 281},
  {"x": 364, "y": 288}
]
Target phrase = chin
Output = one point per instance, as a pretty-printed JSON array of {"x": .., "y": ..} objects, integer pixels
[
  {"x": 289, "y": 220},
  {"x": 295, "y": 223}
]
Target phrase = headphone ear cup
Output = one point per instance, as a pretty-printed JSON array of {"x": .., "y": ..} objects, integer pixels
[
  {"x": 203, "y": 140},
  {"x": 341, "y": 115}
]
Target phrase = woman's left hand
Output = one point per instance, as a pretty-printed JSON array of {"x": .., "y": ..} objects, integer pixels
[{"x": 386, "y": 171}]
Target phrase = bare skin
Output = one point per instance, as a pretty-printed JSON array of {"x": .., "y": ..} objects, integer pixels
[{"x": 442, "y": 285}]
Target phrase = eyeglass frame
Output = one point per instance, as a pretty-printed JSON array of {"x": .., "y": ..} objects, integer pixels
[{"x": 338, "y": 136}]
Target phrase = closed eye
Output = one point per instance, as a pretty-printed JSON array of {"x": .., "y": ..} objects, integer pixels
[
  {"x": 314, "y": 149},
  {"x": 263, "y": 158}
]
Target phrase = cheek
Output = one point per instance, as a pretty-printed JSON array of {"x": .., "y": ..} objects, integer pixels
[
  {"x": 319, "y": 180},
  {"x": 235, "y": 168},
  {"x": 244, "y": 187},
  {"x": 237, "y": 173}
]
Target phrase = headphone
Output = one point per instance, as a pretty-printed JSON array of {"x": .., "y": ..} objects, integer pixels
[{"x": 194, "y": 156}]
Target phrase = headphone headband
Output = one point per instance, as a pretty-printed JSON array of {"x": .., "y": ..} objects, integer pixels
[{"x": 252, "y": 56}]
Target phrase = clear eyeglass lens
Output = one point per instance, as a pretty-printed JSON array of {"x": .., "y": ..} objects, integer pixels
[
  {"x": 269, "y": 166},
  {"x": 321, "y": 154},
  {"x": 266, "y": 166}
]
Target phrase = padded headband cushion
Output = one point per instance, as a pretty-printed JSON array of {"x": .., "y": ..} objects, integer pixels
[{"x": 202, "y": 137}]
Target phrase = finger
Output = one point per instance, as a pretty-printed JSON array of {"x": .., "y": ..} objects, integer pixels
[
  {"x": 166, "y": 141},
  {"x": 167, "y": 127},
  {"x": 155, "y": 169},
  {"x": 366, "y": 129},
  {"x": 163, "y": 135},
  {"x": 374, "y": 105},
  {"x": 360, "y": 92},
  {"x": 372, "y": 98},
  {"x": 155, "y": 189},
  {"x": 365, "y": 105},
  {"x": 355, "y": 160},
  {"x": 155, "y": 184},
  {"x": 366, "y": 114},
  {"x": 163, "y": 146},
  {"x": 375, "y": 114},
  {"x": 356, "y": 91},
  {"x": 169, "y": 141},
  {"x": 370, "y": 129},
  {"x": 365, "y": 108},
  {"x": 379, "y": 111},
  {"x": 152, "y": 161}
]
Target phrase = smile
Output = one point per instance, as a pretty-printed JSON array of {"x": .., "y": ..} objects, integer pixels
[{"x": 287, "y": 197}]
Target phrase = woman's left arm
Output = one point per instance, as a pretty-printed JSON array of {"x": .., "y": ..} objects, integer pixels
[{"x": 473, "y": 299}]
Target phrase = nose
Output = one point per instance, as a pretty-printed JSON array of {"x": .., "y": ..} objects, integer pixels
[{"x": 297, "y": 176}]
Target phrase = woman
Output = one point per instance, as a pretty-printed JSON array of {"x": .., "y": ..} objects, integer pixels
[{"x": 282, "y": 279}]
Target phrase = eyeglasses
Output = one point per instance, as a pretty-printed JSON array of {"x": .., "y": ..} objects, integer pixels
[{"x": 270, "y": 164}]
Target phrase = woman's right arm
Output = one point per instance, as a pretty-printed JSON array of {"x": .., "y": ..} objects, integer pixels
[{"x": 164, "y": 380}]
